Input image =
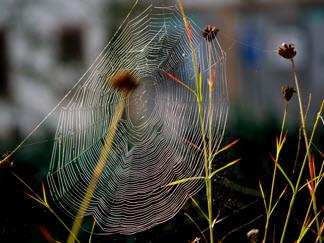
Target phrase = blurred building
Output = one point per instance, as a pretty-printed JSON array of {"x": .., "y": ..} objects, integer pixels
[
  {"x": 45, "y": 46},
  {"x": 251, "y": 32}
]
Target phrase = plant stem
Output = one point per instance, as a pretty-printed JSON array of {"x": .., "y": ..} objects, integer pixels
[
  {"x": 207, "y": 173},
  {"x": 209, "y": 157},
  {"x": 65, "y": 226},
  {"x": 303, "y": 123},
  {"x": 210, "y": 211},
  {"x": 208, "y": 150},
  {"x": 305, "y": 229},
  {"x": 300, "y": 174},
  {"x": 278, "y": 149},
  {"x": 210, "y": 106},
  {"x": 98, "y": 170},
  {"x": 301, "y": 110},
  {"x": 291, "y": 204}
]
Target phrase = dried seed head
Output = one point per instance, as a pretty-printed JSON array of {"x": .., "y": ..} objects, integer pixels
[
  {"x": 287, "y": 50},
  {"x": 252, "y": 235},
  {"x": 287, "y": 92},
  {"x": 123, "y": 81},
  {"x": 196, "y": 240},
  {"x": 210, "y": 32}
]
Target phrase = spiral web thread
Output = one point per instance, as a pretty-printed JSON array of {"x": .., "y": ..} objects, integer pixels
[{"x": 158, "y": 138}]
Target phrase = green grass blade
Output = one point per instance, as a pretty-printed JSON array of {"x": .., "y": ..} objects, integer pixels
[
  {"x": 263, "y": 197},
  {"x": 199, "y": 208},
  {"x": 305, "y": 228},
  {"x": 224, "y": 167},
  {"x": 280, "y": 196},
  {"x": 92, "y": 229},
  {"x": 36, "y": 199},
  {"x": 283, "y": 173},
  {"x": 200, "y": 84},
  {"x": 44, "y": 194},
  {"x": 180, "y": 82},
  {"x": 315, "y": 179},
  {"x": 185, "y": 180},
  {"x": 226, "y": 147},
  {"x": 26, "y": 185},
  {"x": 197, "y": 226},
  {"x": 320, "y": 233}
]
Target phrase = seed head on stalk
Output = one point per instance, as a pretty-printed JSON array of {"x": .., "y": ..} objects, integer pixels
[
  {"x": 288, "y": 92},
  {"x": 287, "y": 50},
  {"x": 123, "y": 81},
  {"x": 210, "y": 32}
]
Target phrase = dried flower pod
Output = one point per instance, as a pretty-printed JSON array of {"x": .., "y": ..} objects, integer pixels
[
  {"x": 287, "y": 92},
  {"x": 252, "y": 235},
  {"x": 210, "y": 32},
  {"x": 196, "y": 240},
  {"x": 123, "y": 81},
  {"x": 287, "y": 51}
]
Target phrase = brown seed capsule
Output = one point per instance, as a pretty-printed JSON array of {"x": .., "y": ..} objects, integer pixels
[
  {"x": 123, "y": 81},
  {"x": 287, "y": 50},
  {"x": 287, "y": 92},
  {"x": 252, "y": 235},
  {"x": 210, "y": 32}
]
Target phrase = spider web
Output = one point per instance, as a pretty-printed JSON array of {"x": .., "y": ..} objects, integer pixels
[{"x": 159, "y": 132}]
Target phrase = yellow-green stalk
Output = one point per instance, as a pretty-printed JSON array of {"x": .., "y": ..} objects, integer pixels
[
  {"x": 279, "y": 143},
  {"x": 288, "y": 51},
  {"x": 125, "y": 83}
]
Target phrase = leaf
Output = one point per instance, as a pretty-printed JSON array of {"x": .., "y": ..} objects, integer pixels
[
  {"x": 224, "y": 167},
  {"x": 200, "y": 84},
  {"x": 199, "y": 208},
  {"x": 45, "y": 233},
  {"x": 38, "y": 199},
  {"x": 193, "y": 145},
  {"x": 179, "y": 81},
  {"x": 92, "y": 229},
  {"x": 318, "y": 150},
  {"x": 305, "y": 228},
  {"x": 311, "y": 173},
  {"x": 197, "y": 226},
  {"x": 319, "y": 177},
  {"x": 212, "y": 78},
  {"x": 263, "y": 197},
  {"x": 226, "y": 147},
  {"x": 319, "y": 234},
  {"x": 185, "y": 180},
  {"x": 26, "y": 185},
  {"x": 216, "y": 220},
  {"x": 44, "y": 194},
  {"x": 281, "y": 142},
  {"x": 35, "y": 199},
  {"x": 185, "y": 21},
  {"x": 280, "y": 196},
  {"x": 283, "y": 173}
]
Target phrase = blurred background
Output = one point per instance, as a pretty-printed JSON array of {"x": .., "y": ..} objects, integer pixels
[{"x": 45, "y": 47}]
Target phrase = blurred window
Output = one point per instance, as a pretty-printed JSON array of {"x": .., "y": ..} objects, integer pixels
[{"x": 71, "y": 46}]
